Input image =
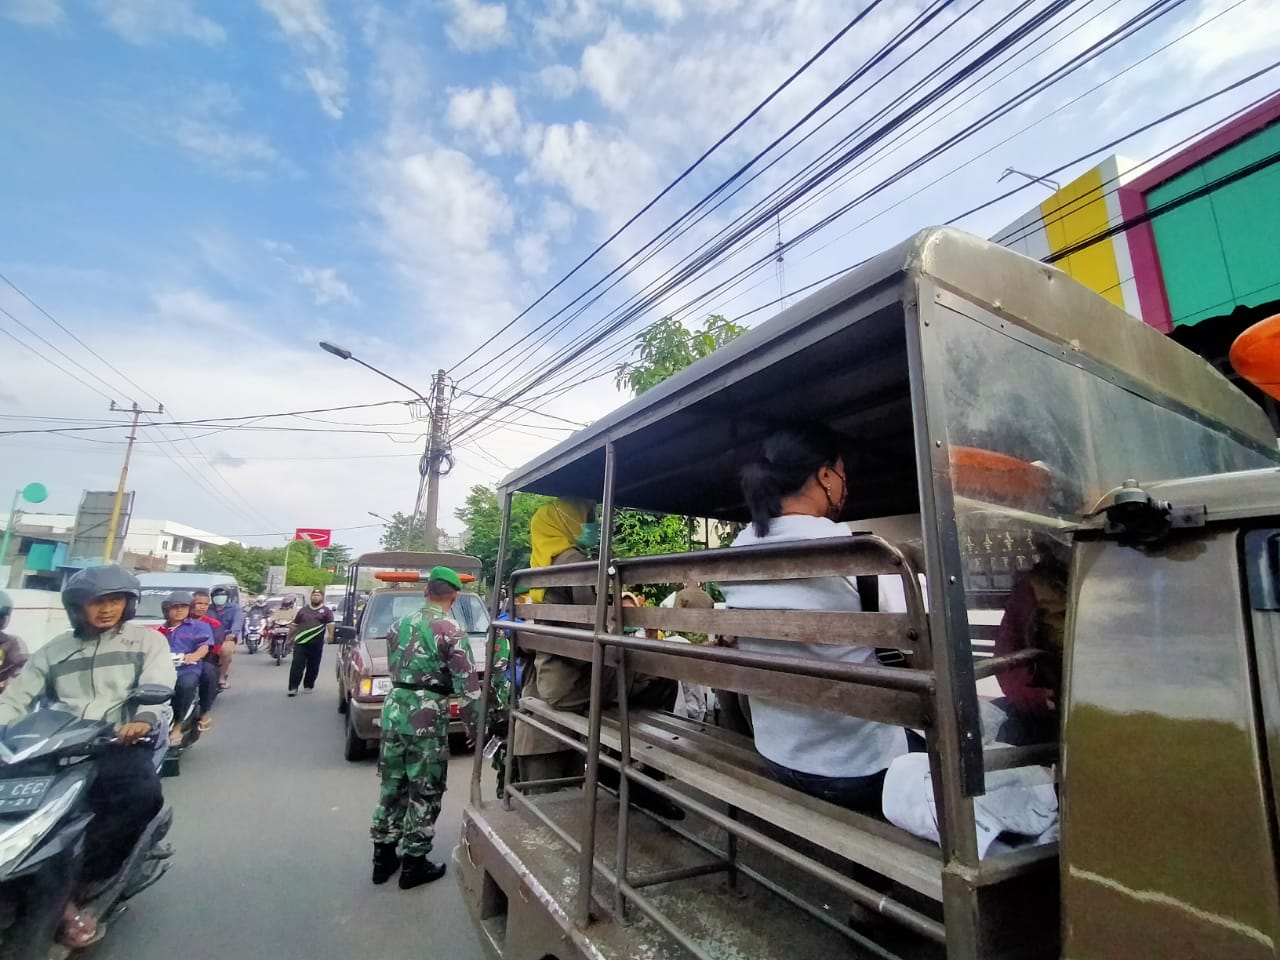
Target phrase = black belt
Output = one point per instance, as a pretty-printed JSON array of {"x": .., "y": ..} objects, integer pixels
[{"x": 436, "y": 688}]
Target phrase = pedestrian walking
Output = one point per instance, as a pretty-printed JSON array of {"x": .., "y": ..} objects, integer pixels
[
  {"x": 307, "y": 633},
  {"x": 429, "y": 660}
]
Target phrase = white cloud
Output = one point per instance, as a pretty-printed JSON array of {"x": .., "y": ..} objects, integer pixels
[
  {"x": 1233, "y": 36},
  {"x": 477, "y": 26},
  {"x": 616, "y": 67},
  {"x": 601, "y": 170},
  {"x": 562, "y": 21},
  {"x": 489, "y": 117},
  {"x": 557, "y": 217},
  {"x": 323, "y": 283},
  {"x": 533, "y": 254},
  {"x": 205, "y": 132},
  {"x": 146, "y": 21},
  {"x": 34, "y": 13},
  {"x": 310, "y": 31},
  {"x": 558, "y": 81}
]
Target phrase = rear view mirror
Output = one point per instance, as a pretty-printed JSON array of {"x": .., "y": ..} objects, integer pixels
[
  {"x": 152, "y": 694},
  {"x": 344, "y": 633}
]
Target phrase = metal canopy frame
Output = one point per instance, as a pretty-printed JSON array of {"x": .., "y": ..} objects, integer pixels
[{"x": 713, "y": 412}]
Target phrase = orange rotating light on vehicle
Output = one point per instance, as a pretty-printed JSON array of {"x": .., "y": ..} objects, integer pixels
[
  {"x": 398, "y": 576},
  {"x": 1255, "y": 355},
  {"x": 986, "y": 473}
]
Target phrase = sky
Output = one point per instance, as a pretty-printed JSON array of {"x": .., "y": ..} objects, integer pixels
[{"x": 196, "y": 193}]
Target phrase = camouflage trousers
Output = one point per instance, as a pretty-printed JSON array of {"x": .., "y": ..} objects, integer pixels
[{"x": 413, "y": 771}]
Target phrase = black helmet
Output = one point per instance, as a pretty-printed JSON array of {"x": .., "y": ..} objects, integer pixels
[
  {"x": 94, "y": 582},
  {"x": 288, "y": 601},
  {"x": 6, "y": 608},
  {"x": 178, "y": 598}
]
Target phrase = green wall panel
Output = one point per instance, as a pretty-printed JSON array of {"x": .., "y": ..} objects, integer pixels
[{"x": 1221, "y": 250}]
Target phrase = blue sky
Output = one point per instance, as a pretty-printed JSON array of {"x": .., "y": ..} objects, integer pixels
[{"x": 200, "y": 191}]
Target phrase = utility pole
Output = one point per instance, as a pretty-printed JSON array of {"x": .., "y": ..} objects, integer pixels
[
  {"x": 124, "y": 475},
  {"x": 429, "y": 467}
]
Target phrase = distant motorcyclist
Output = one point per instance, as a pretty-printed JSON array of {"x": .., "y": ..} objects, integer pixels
[
  {"x": 12, "y": 653},
  {"x": 93, "y": 670},
  {"x": 259, "y": 608},
  {"x": 192, "y": 639},
  {"x": 229, "y": 614}
]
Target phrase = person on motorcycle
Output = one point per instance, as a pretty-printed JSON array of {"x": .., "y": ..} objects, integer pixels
[
  {"x": 12, "y": 653},
  {"x": 200, "y": 603},
  {"x": 259, "y": 608},
  {"x": 229, "y": 614},
  {"x": 307, "y": 633},
  {"x": 192, "y": 639},
  {"x": 93, "y": 670}
]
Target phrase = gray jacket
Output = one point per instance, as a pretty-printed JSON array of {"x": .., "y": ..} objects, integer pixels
[{"x": 93, "y": 678}]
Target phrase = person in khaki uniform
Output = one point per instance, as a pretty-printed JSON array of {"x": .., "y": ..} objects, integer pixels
[{"x": 561, "y": 532}]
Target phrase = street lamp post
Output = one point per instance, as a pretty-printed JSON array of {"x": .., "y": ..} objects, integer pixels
[
  {"x": 429, "y": 466},
  {"x": 31, "y": 493}
]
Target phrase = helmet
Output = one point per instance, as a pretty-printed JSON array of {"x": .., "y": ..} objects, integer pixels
[
  {"x": 260, "y": 599},
  {"x": 179, "y": 598},
  {"x": 288, "y": 601},
  {"x": 6, "y": 608},
  {"x": 94, "y": 582}
]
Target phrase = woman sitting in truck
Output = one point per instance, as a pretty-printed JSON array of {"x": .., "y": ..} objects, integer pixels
[{"x": 796, "y": 490}]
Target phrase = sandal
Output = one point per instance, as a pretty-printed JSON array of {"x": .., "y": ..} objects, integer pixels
[
  {"x": 79, "y": 931},
  {"x": 224, "y": 685},
  {"x": 204, "y": 723}
]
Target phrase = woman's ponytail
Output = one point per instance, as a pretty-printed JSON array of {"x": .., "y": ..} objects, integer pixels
[{"x": 787, "y": 459}]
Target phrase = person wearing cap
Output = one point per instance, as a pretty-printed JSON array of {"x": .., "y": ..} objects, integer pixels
[
  {"x": 307, "y": 634},
  {"x": 429, "y": 661},
  {"x": 93, "y": 670},
  {"x": 12, "y": 652},
  {"x": 191, "y": 639}
]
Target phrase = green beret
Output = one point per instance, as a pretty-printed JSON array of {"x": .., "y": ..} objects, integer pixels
[{"x": 447, "y": 575}]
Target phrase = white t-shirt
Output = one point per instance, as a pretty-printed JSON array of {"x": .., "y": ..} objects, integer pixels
[{"x": 804, "y": 738}]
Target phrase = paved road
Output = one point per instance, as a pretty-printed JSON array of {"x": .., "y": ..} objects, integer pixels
[{"x": 273, "y": 851}]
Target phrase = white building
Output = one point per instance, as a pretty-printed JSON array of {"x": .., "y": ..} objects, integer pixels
[{"x": 176, "y": 543}]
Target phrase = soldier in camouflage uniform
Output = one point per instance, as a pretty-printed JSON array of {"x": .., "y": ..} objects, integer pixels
[{"x": 429, "y": 660}]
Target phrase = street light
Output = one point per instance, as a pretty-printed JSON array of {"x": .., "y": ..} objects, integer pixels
[
  {"x": 342, "y": 353},
  {"x": 32, "y": 493},
  {"x": 429, "y": 465},
  {"x": 1045, "y": 181},
  {"x": 378, "y": 516}
]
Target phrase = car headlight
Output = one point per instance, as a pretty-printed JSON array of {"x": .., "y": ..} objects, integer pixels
[{"x": 22, "y": 836}]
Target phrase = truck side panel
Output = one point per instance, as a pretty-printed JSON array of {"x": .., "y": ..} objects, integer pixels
[{"x": 1168, "y": 846}]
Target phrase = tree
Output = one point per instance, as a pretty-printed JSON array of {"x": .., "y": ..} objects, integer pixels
[
  {"x": 667, "y": 346},
  {"x": 397, "y": 536},
  {"x": 640, "y": 534},
  {"x": 482, "y": 515},
  {"x": 249, "y": 564}
]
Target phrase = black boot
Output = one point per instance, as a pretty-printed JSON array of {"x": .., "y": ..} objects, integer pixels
[
  {"x": 419, "y": 870},
  {"x": 385, "y": 862}
]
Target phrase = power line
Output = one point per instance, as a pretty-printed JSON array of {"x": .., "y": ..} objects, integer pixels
[
  {"x": 54, "y": 364},
  {"x": 705, "y": 259},
  {"x": 683, "y": 175},
  {"x": 54, "y": 320},
  {"x": 62, "y": 353}
]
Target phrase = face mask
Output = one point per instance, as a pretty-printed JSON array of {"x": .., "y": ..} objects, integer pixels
[
  {"x": 834, "y": 508},
  {"x": 219, "y": 601}
]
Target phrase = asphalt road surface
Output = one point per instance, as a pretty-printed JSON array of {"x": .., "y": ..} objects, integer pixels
[{"x": 273, "y": 854}]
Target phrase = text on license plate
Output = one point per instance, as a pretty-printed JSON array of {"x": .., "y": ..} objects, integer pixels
[
  {"x": 381, "y": 686},
  {"x": 23, "y": 794}
]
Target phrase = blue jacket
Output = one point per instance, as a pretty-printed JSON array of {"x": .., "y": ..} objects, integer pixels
[
  {"x": 188, "y": 637},
  {"x": 232, "y": 619}
]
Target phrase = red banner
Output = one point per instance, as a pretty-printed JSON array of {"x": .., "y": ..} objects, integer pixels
[{"x": 317, "y": 536}]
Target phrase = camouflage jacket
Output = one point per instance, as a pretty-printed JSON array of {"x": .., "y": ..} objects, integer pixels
[{"x": 428, "y": 650}]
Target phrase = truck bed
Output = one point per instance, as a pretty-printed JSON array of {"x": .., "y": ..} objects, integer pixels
[{"x": 510, "y": 858}]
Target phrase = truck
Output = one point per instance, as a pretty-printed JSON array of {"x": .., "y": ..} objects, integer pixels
[{"x": 998, "y": 415}]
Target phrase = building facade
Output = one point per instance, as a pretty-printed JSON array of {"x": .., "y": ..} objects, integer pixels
[{"x": 1190, "y": 244}]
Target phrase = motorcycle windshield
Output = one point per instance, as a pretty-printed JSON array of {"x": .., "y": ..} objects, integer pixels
[{"x": 44, "y": 732}]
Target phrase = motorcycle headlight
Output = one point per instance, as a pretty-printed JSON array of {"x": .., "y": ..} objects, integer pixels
[{"x": 22, "y": 836}]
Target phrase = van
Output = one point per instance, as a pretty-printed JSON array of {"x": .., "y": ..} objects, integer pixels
[{"x": 156, "y": 587}]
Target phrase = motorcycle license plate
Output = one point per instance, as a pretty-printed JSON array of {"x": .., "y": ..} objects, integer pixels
[{"x": 19, "y": 796}]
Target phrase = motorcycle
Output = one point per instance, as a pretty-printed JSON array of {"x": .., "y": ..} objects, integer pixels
[
  {"x": 46, "y": 767},
  {"x": 280, "y": 642},
  {"x": 189, "y": 724},
  {"x": 253, "y": 633}
]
